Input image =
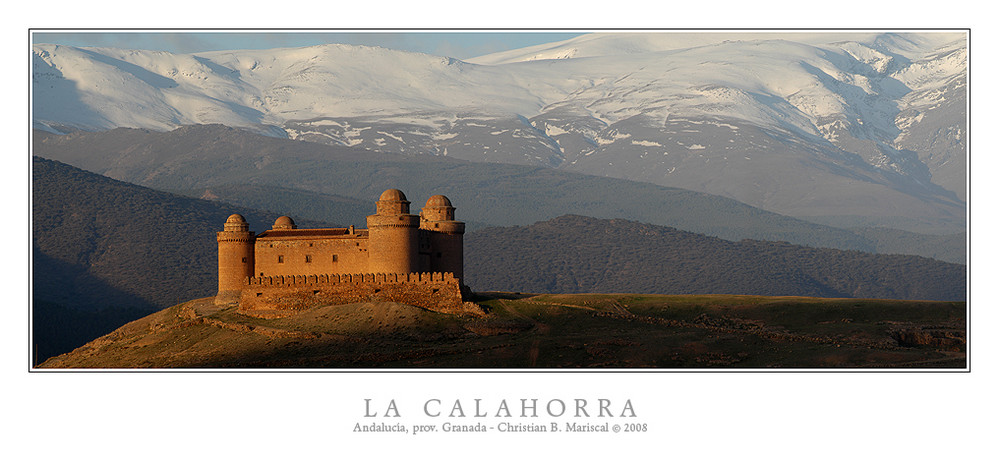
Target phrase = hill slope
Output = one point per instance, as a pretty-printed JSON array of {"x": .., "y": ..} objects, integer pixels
[
  {"x": 153, "y": 249},
  {"x": 573, "y": 254},
  {"x": 105, "y": 251},
  {"x": 566, "y": 331}
]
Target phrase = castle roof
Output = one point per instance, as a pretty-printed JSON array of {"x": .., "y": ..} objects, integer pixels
[
  {"x": 236, "y": 223},
  {"x": 284, "y": 222},
  {"x": 392, "y": 195},
  {"x": 439, "y": 201},
  {"x": 312, "y": 233}
]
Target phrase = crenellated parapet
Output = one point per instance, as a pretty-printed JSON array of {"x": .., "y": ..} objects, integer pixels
[{"x": 337, "y": 278}]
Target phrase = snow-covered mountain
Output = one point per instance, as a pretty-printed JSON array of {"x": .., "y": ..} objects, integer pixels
[{"x": 862, "y": 128}]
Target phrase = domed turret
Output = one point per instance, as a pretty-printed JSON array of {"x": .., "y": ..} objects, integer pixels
[
  {"x": 284, "y": 223},
  {"x": 438, "y": 208},
  {"x": 236, "y": 223},
  {"x": 438, "y": 200},
  {"x": 392, "y": 202},
  {"x": 392, "y": 195}
]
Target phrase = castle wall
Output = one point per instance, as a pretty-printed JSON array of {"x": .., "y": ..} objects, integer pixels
[
  {"x": 433, "y": 291},
  {"x": 393, "y": 243},
  {"x": 441, "y": 238},
  {"x": 442, "y": 252},
  {"x": 309, "y": 256}
]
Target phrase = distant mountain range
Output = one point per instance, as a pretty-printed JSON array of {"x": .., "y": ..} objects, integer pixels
[
  {"x": 576, "y": 254},
  {"x": 850, "y": 129},
  {"x": 338, "y": 184}
]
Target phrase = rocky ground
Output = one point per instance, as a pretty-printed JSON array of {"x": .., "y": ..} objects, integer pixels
[{"x": 546, "y": 331}]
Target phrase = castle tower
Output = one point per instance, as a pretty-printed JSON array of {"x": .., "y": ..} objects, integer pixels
[
  {"x": 236, "y": 258},
  {"x": 445, "y": 235},
  {"x": 392, "y": 235}
]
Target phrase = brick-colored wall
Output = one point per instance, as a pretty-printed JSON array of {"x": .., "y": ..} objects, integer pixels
[
  {"x": 393, "y": 243},
  {"x": 444, "y": 254},
  {"x": 351, "y": 256},
  {"x": 236, "y": 263},
  {"x": 433, "y": 291}
]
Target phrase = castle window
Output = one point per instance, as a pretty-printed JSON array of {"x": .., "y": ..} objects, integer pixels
[
  {"x": 334, "y": 257},
  {"x": 309, "y": 258},
  {"x": 244, "y": 260},
  {"x": 281, "y": 259}
]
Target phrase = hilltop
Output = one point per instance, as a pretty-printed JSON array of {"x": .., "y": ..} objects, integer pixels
[{"x": 546, "y": 331}]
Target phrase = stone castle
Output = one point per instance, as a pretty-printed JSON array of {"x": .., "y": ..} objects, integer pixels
[{"x": 400, "y": 257}]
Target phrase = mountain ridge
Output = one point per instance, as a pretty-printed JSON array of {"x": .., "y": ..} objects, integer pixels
[
  {"x": 201, "y": 158},
  {"x": 493, "y": 194},
  {"x": 860, "y": 114},
  {"x": 578, "y": 254}
]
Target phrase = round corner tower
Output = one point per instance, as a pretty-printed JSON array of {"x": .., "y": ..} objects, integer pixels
[
  {"x": 445, "y": 235},
  {"x": 236, "y": 261},
  {"x": 392, "y": 235}
]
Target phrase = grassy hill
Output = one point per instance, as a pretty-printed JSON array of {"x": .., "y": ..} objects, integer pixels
[{"x": 547, "y": 331}]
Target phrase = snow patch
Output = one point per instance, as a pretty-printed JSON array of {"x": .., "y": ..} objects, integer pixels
[
  {"x": 615, "y": 136},
  {"x": 444, "y": 136},
  {"x": 551, "y": 130}
]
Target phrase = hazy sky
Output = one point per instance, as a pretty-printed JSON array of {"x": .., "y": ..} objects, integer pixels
[{"x": 459, "y": 44}]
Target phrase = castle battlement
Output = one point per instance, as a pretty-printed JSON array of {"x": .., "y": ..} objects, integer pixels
[
  {"x": 400, "y": 257},
  {"x": 348, "y": 278}
]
